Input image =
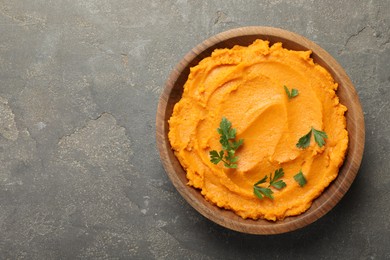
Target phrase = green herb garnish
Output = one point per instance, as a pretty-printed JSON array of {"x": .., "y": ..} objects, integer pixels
[
  {"x": 294, "y": 92},
  {"x": 304, "y": 141},
  {"x": 277, "y": 175},
  {"x": 319, "y": 136},
  {"x": 300, "y": 178},
  {"x": 229, "y": 145},
  {"x": 262, "y": 192}
]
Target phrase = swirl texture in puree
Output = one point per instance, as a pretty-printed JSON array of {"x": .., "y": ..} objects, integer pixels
[{"x": 245, "y": 85}]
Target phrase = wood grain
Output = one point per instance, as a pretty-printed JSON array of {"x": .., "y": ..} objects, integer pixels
[{"x": 355, "y": 125}]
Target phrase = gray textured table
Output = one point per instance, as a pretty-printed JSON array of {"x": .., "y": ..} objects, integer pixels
[{"x": 80, "y": 175}]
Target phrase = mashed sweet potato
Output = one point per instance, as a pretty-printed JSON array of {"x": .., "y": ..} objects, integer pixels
[{"x": 246, "y": 85}]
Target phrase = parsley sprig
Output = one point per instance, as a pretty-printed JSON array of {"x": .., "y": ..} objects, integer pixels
[
  {"x": 300, "y": 178},
  {"x": 229, "y": 145},
  {"x": 319, "y": 136},
  {"x": 291, "y": 94},
  {"x": 262, "y": 192}
]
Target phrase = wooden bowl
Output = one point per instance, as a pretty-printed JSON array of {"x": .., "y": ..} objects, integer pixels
[{"x": 355, "y": 125}]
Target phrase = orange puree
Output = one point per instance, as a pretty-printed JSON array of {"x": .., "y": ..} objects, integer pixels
[{"x": 245, "y": 85}]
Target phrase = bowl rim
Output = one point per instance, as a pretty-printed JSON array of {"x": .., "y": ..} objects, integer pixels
[{"x": 354, "y": 152}]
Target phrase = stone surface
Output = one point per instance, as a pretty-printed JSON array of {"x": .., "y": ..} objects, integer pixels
[{"x": 80, "y": 175}]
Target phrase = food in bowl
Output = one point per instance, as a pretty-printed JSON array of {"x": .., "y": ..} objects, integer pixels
[{"x": 285, "y": 110}]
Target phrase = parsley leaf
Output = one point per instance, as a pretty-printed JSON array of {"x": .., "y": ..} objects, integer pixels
[
  {"x": 304, "y": 141},
  {"x": 277, "y": 175},
  {"x": 229, "y": 146},
  {"x": 319, "y": 136},
  {"x": 261, "y": 181},
  {"x": 262, "y": 192},
  {"x": 300, "y": 178},
  {"x": 294, "y": 92},
  {"x": 216, "y": 157}
]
